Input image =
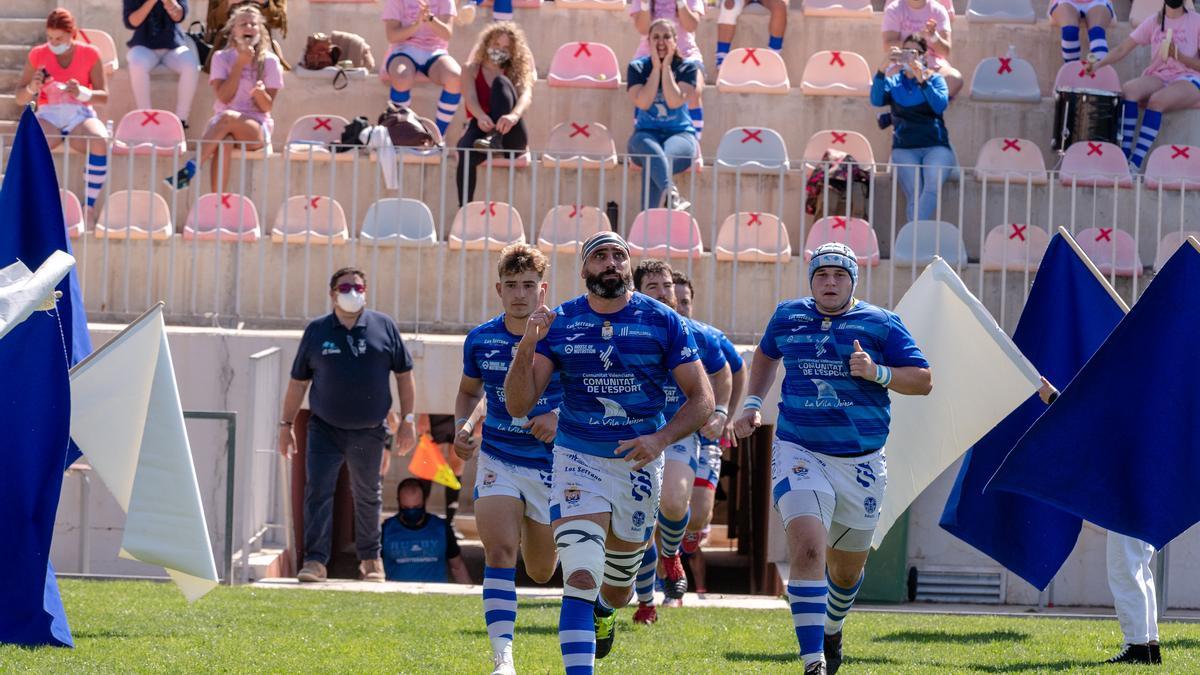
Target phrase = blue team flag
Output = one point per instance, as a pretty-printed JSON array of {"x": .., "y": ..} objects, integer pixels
[
  {"x": 35, "y": 398},
  {"x": 1121, "y": 446},
  {"x": 1070, "y": 311}
]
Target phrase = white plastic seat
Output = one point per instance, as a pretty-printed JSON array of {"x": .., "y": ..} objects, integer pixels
[
  {"x": 609, "y": 5},
  {"x": 753, "y": 237},
  {"x": 851, "y": 9},
  {"x": 1019, "y": 160},
  {"x": 398, "y": 222},
  {"x": 223, "y": 217},
  {"x": 585, "y": 145},
  {"x": 1014, "y": 247},
  {"x": 1113, "y": 251},
  {"x": 853, "y": 232},
  {"x": 665, "y": 233},
  {"x": 836, "y": 73},
  {"x": 135, "y": 214},
  {"x": 149, "y": 132},
  {"x": 1001, "y": 11},
  {"x": 566, "y": 227},
  {"x": 310, "y": 220},
  {"x": 920, "y": 240},
  {"x": 312, "y": 136},
  {"x": 1005, "y": 78},
  {"x": 753, "y": 150},
  {"x": 488, "y": 226},
  {"x": 749, "y": 70}
]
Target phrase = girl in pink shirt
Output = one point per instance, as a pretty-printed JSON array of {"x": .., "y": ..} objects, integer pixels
[{"x": 1171, "y": 81}]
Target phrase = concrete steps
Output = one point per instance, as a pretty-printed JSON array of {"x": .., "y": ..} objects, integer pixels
[
  {"x": 13, "y": 57},
  {"x": 31, "y": 9},
  {"x": 19, "y": 31}
]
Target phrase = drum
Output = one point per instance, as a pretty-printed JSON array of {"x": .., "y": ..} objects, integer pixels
[{"x": 1085, "y": 115}]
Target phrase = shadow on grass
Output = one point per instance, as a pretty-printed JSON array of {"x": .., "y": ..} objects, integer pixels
[
  {"x": 933, "y": 636},
  {"x": 1032, "y": 666},
  {"x": 1181, "y": 643},
  {"x": 522, "y": 629},
  {"x": 791, "y": 657}
]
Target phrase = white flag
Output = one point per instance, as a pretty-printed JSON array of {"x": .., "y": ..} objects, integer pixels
[
  {"x": 127, "y": 419},
  {"x": 22, "y": 292},
  {"x": 979, "y": 377}
]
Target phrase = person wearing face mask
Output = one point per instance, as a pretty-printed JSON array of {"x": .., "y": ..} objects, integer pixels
[
  {"x": 417, "y": 545},
  {"x": 499, "y": 90},
  {"x": 347, "y": 356}
]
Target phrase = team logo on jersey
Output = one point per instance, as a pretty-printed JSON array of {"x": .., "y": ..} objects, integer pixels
[
  {"x": 612, "y": 408},
  {"x": 328, "y": 347},
  {"x": 571, "y": 496},
  {"x": 870, "y": 506},
  {"x": 639, "y": 519},
  {"x": 800, "y": 470},
  {"x": 491, "y": 353},
  {"x": 606, "y": 331},
  {"x": 574, "y": 337},
  {"x": 686, "y": 352},
  {"x": 821, "y": 342},
  {"x": 489, "y": 479},
  {"x": 606, "y": 357},
  {"x": 826, "y": 323},
  {"x": 827, "y": 397}
]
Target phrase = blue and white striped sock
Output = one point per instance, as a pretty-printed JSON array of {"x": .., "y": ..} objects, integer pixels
[
  {"x": 1097, "y": 41},
  {"x": 1129, "y": 119},
  {"x": 400, "y": 97},
  {"x": 1070, "y": 43},
  {"x": 502, "y": 10},
  {"x": 838, "y": 603},
  {"x": 697, "y": 114},
  {"x": 670, "y": 532},
  {"x": 645, "y": 576},
  {"x": 775, "y": 43},
  {"x": 807, "y": 600},
  {"x": 500, "y": 605},
  {"x": 577, "y": 635},
  {"x": 1151, "y": 121},
  {"x": 446, "y": 107},
  {"x": 722, "y": 52},
  {"x": 94, "y": 175}
]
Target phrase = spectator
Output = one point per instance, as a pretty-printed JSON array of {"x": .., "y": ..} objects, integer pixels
[
  {"x": 419, "y": 33},
  {"x": 1070, "y": 15},
  {"x": 686, "y": 15},
  {"x": 417, "y": 545},
  {"x": 66, "y": 77},
  {"x": 157, "y": 40},
  {"x": 1171, "y": 82},
  {"x": 501, "y": 70},
  {"x": 663, "y": 140},
  {"x": 920, "y": 143},
  {"x": 727, "y": 24},
  {"x": 245, "y": 77},
  {"x": 929, "y": 20},
  {"x": 347, "y": 356},
  {"x": 273, "y": 11}
]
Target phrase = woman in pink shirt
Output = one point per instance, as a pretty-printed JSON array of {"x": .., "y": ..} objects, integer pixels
[
  {"x": 419, "y": 32},
  {"x": 1172, "y": 80}
]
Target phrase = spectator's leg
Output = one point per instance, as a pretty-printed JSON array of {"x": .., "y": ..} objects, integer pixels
[
  {"x": 503, "y": 99},
  {"x": 1067, "y": 18},
  {"x": 696, "y": 105},
  {"x": 1135, "y": 92},
  {"x": 445, "y": 72},
  {"x": 469, "y": 160},
  {"x": 364, "y": 458},
  {"x": 649, "y": 155},
  {"x": 681, "y": 150},
  {"x": 1098, "y": 20},
  {"x": 322, "y": 461},
  {"x": 183, "y": 60},
  {"x": 906, "y": 160},
  {"x": 726, "y": 27},
  {"x": 1178, "y": 95},
  {"x": 777, "y": 25},
  {"x": 937, "y": 167},
  {"x": 401, "y": 70},
  {"x": 141, "y": 60},
  {"x": 238, "y": 128},
  {"x": 90, "y": 137}
]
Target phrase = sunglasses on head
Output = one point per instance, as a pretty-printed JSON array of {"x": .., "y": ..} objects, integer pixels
[{"x": 346, "y": 288}]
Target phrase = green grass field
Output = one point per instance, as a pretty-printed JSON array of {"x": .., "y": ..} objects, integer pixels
[{"x": 148, "y": 627}]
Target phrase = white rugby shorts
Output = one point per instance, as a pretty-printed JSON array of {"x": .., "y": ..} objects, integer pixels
[
  {"x": 584, "y": 484},
  {"x": 853, "y": 486},
  {"x": 495, "y": 477}
]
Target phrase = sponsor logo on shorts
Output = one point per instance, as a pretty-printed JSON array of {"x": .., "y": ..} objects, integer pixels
[
  {"x": 639, "y": 519},
  {"x": 489, "y": 479},
  {"x": 870, "y": 506},
  {"x": 800, "y": 470},
  {"x": 571, "y": 496}
]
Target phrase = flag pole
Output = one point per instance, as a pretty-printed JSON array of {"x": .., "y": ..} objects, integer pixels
[{"x": 1094, "y": 270}]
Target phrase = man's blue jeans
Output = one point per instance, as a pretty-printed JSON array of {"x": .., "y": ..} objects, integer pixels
[
  {"x": 676, "y": 150},
  {"x": 936, "y": 164},
  {"x": 362, "y": 451}
]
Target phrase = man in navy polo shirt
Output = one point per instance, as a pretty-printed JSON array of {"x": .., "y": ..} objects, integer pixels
[{"x": 347, "y": 356}]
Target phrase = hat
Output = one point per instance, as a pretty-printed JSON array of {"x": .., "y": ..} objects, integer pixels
[{"x": 834, "y": 254}]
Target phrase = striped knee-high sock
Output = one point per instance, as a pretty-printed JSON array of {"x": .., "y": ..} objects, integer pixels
[
  {"x": 94, "y": 175},
  {"x": 838, "y": 603},
  {"x": 502, "y": 10},
  {"x": 670, "y": 532},
  {"x": 1129, "y": 119},
  {"x": 577, "y": 635},
  {"x": 697, "y": 114},
  {"x": 722, "y": 52},
  {"x": 1151, "y": 121},
  {"x": 500, "y": 605},
  {"x": 645, "y": 576},
  {"x": 1070, "y": 43},
  {"x": 1097, "y": 41},
  {"x": 807, "y": 600},
  {"x": 446, "y": 107},
  {"x": 775, "y": 43},
  {"x": 400, "y": 97}
]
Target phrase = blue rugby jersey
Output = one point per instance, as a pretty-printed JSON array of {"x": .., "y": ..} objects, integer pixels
[
  {"x": 711, "y": 357},
  {"x": 823, "y": 407},
  {"x": 613, "y": 369},
  {"x": 487, "y": 355},
  {"x": 732, "y": 357}
]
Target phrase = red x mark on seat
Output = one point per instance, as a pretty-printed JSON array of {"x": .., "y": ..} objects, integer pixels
[
  {"x": 1105, "y": 234},
  {"x": 313, "y": 201},
  {"x": 577, "y": 129},
  {"x": 1005, "y": 66},
  {"x": 574, "y": 211},
  {"x": 1084, "y": 73},
  {"x": 582, "y": 49},
  {"x": 839, "y": 138},
  {"x": 835, "y": 59},
  {"x": 322, "y": 123},
  {"x": 225, "y": 201},
  {"x": 838, "y": 223},
  {"x": 753, "y": 219},
  {"x": 752, "y": 135},
  {"x": 150, "y": 117},
  {"x": 490, "y": 208},
  {"x": 750, "y": 56},
  {"x": 1178, "y": 151},
  {"x": 1011, "y": 143},
  {"x": 1095, "y": 149},
  {"x": 1018, "y": 232}
]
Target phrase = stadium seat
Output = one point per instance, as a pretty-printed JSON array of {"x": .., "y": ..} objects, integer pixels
[
  {"x": 316, "y": 220},
  {"x": 147, "y": 132},
  {"x": 527, "y": 4},
  {"x": 752, "y": 150},
  {"x": 1113, "y": 251},
  {"x": 1019, "y": 160},
  {"x": 1001, "y": 11},
  {"x": 487, "y": 226},
  {"x": 135, "y": 214},
  {"x": 1005, "y": 78},
  {"x": 920, "y": 240},
  {"x": 1144, "y": 9},
  {"x": 312, "y": 135},
  {"x": 1095, "y": 164},
  {"x": 223, "y": 217},
  {"x": 610, "y": 5},
  {"x": 836, "y": 73},
  {"x": 1014, "y": 247},
  {"x": 749, "y": 70},
  {"x": 753, "y": 237},
  {"x": 72, "y": 213},
  {"x": 398, "y": 222},
  {"x": 1170, "y": 243},
  {"x": 853, "y": 232},
  {"x": 580, "y": 145},
  {"x": 665, "y": 233},
  {"x": 565, "y": 228},
  {"x": 1074, "y": 76},
  {"x": 501, "y": 160},
  {"x": 853, "y": 9},
  {"x": 587, "y": 65},
  {"x": 105, "y": 43},
  {"x": 850, "y": 142},
  {"x": 1173, "y": 167}
]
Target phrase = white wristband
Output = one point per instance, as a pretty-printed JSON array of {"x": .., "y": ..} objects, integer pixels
[
  {"x": 555, "y": 411},
  {"x": 883, "y": 375},
  {"x": 752, "y": 403},
  {"x": 85, "y": 94},
  {"x": 724, "y": 410}
]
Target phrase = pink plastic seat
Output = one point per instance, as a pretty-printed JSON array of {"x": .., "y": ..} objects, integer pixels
[
  {"x": 502, "y": 161},
  {"x": 1113, "y": 251},
  {"x": 609, "y": 5},
  {"x": 312, "y": 135},
  {"x": 1001, "y": 11},
  {"x": 565, "y": 228},
  {"x": 580, "y": 145},
  {"x": 223, "y": 217},
  {"x": 149, "y": 132},
  {"x": 1074, "y": 76},
  {"x": 850, "y": 142},
  {"x": 135, "y": 214},
  {"x": 72, "y": 213},
  {"x": 852, "y": 9},
  {"x": 753, "y": 237},
  {"x": 1173, "y": 167},
  {"x": 103, "y": 42},
  {"x": 487, "y": 226},
  {"x": 836, "y": 73},
  {"x": 749, "y": 70},
  {"x": 853, "y": 232},
  {"x": 1095, "y": 164},
  {"x": 1005, "y": 78},
  {"x": 310, "y": 220},
  {"x": 1170, "y": 243},
  {"x": 587, "y": 65},
  {"x": 665, "y": 233},
  {"x": 1019, "y": 160},
  {"x": 1014, "y": 247}
]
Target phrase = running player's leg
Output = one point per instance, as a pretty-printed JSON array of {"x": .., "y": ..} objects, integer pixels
[
  {"x": 538, "y": 551},
  {"x": 644, "y": 586},
  {"x": 499, "y": 522},
  {"x": 704, "y": 494},
  {"x": 635, "y": 499},
  {"x": 679, "y": 474}
]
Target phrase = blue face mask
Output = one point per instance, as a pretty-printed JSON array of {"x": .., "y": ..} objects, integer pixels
[{"x": 412, "y": 516}]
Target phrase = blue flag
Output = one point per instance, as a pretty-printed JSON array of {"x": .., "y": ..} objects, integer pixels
[
  {"x": 35, "y": 398},
  {"x": 1121, "y": 446},
  {"x": 1068, "y": 315}
]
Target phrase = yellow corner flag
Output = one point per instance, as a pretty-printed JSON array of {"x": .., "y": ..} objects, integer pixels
[{"x": 428, "y": 463}]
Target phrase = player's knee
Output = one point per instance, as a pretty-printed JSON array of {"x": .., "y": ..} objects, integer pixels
[
  {"x": 501, "y": 555},
  {"x": 581, "y": 549},
  {"x": 581, "y": 579},
  {"x": 539, "y": 572},
  {"x": 844, "y": 578},
  {"x": 620, "y": 567},
  {"x": 673, "y": 506}
]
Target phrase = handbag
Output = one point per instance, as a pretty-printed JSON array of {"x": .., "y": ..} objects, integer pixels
[
  {"x": 405, "y": 128},
  {"x": 198, "y": 33},
  {"x": 352, "y": 134}
]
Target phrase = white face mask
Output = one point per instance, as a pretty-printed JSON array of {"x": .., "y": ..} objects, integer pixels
[
  {"x": 60, "y": 49},
  {"x": 351, "y": 302}
]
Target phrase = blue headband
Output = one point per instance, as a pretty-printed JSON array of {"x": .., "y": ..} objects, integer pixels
[{"x": 603, "y": 239}]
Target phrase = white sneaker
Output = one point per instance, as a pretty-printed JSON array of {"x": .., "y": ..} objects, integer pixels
[{"x": 503, "y": 662}]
